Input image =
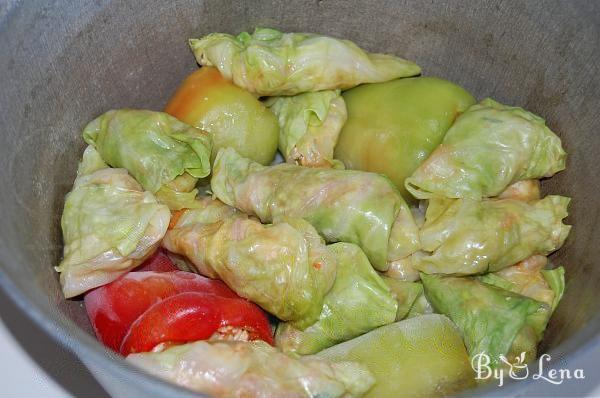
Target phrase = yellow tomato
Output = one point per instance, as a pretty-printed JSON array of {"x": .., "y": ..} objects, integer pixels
[{"x": 234, "y": 117}]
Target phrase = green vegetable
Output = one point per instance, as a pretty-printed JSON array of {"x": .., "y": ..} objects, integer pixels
[
  {"x": 358, "y": 302},
  {"x": 402, "y": 269},
  {"x": 110, "y": 225},
  {"x": 466, "y": 237},
  {"x": 524, "y": 278},
  {"x": 310, "y": 124},
  {"x": 556, "y": 280},
  {"x": 179, "y": 193},
  {"x": 405, "y": 293},
  {"x": 269, "y": 62},
  {"x": 155, "y": 148},
  {"x": 343, "y": 205},
  {"x": 207, "y": 211},
  {"x": 90, "y": 162},
  {"x": 233, "y": 117},
  {"x": 530, "y": 279},
  {"x": 392, "y": 127},
  {"x": 283, "y": 267},
  {"x": 416, "y": 358},
  {"x": 525, "y": 190},
  {"x": 420, "y": 307},
  {"x": 492, "y": 320},
  {"x": 489, "y": 147},
  {"x": 253, "y": 369}
]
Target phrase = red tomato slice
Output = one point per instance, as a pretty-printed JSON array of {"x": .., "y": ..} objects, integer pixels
[
  {"x": 158, "y": 262},
  {"x": 194, "y": 316},
  {"x": 112, "y": 308}
]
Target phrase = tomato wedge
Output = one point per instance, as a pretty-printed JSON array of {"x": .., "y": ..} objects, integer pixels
[
  {"x": 112, "y": 308},
  {"x": 158, "y": 262},
  {"x": 194, "y": 316}
]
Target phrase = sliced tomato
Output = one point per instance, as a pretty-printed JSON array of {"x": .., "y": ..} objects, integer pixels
[
  {"x": 112, "y": 308},
  {"x": 194, "y": 316},
  {"x": 158, "y": 262}
]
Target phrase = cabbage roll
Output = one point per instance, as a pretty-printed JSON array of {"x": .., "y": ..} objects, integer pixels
[
  {"x": 110, "y": 225},
  {"x": 402, "y": 270},
  {"x": 358, "y": 302},
  {"x": 525, "y": 190},
  {"x": 163, "y": 154},
  {"x": 556, "y": 280},
  {"x": 530, "y": 278},
  {"x": 464, "y": 236},
  {"x": 284, "y": 267},
  {"x": 269, "y": 62},
  {"x": 406, "y": 295},
  {"x": 253, "y": 369},
  {"x": 492, "y": 320},
  {"x": 343, "y": 205},
  {"x": 309, "y": 126},
  {"x": 489, "y": 147},
  {"x": 421, "y": 306}
]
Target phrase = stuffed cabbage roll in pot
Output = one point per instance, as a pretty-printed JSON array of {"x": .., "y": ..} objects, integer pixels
[
  {"x": 283, "y": 267},
  {"x": 164, "y": 155},
  {"x": 310, "y": 124},
  {"x": 109, "y": 224},
  {"x": 358, "y": 302},
  {"x": 269, "y": 62},
  {"x": 530, "y": 278},
  {"x": 241, "y": 369},
  {"x": 464, "y": 237},
  {"x": 489, "y": 147},
  {"x": 500, "y": 323},
  {"x": 343, "y": 205}
]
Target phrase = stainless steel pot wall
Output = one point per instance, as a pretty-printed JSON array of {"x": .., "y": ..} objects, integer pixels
[{"x": 64, "y": 63}]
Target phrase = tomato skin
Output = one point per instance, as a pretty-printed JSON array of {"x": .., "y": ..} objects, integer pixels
[
  {"x": 112, "y": 308},
  {"x": 158, "y": 262},
  {"x": 194, "y": 316},
  {"x": 392, "y": 127},
  {"x": 233, "y": 116}
]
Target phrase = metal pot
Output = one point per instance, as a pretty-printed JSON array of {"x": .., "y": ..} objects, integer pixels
[{"x": 63, "y": 64}]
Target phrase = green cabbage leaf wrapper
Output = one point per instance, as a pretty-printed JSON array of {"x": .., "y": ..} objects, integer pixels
[
  {"x": 358, "y": 302},
  {"x": 499, "y": 323},
  {"x": 164, "y": 155},
  {"x": 284, "y": 267},
  {"x": 269, "y": 62},
  {"x": 530, "y": 278},
  {"x": 421, "y": 306},
  {"x": 310, "y": 124},
  {"x": 407, "y": 295},
  {"x": 556, "y": 280},
  {"x": 489, "y": 147},
  {"x": 465, "y": 237},
  {"x": 253, "y": 369},
  {"x": 343, "y": 205},
  {"x": 110, "y": 225}
]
